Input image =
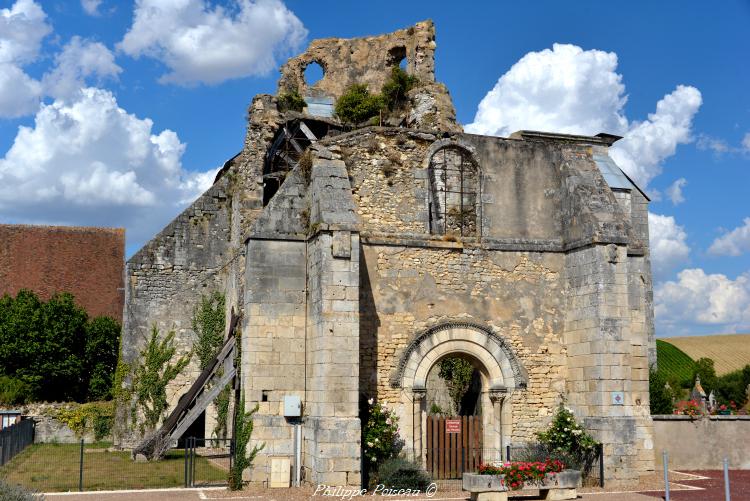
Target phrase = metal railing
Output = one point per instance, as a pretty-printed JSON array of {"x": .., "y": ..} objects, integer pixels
[{"x": 15, "y": 439}]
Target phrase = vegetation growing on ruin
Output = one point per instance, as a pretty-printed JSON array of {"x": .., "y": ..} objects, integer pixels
[
  {"x": 151, "y": 377},
  {"x": 52, "y": 351},
  {"x": 209, "y": 323},
  {"x": 291, "y": 101},
  {"x": 83, "y": 418},
  {"x": 357, "y": 105},
  {"x": 243, "y": 433},
  {"x": 396, "y": 87},
  {"x": 457, "y": 374}
]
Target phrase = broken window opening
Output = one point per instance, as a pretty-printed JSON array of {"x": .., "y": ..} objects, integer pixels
[
  {"x": 454, "y": 180},
  {"x": 314, "y": 73},
  {"x": 397, "y": 57}
]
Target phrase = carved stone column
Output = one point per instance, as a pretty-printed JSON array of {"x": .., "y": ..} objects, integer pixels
[
  {"x": 497, "y": 397},
  {"x": 419, "y": 396}
]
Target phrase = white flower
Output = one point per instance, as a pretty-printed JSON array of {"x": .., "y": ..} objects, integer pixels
[
  {"x": 376, "y": 440},
  {"x": 369, "y": 444},
  {"x": 371, "y": 401},
  {"x": 374, "y": 458}
]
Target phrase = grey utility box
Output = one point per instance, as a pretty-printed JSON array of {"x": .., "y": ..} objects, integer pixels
[{"x": 292, "y": 406}]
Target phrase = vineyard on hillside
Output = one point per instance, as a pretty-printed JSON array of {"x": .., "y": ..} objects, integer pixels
[
  {"x": 729, "y": 352},
  {"x": 674, "y": 364}
]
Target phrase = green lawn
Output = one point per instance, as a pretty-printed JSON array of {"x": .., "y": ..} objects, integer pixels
[
  {"x": 55, "y": 468},
  {"x": 674, "y": 363}
]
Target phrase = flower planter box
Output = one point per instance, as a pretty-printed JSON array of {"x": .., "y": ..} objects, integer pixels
[{"x": 555, "y": 486}]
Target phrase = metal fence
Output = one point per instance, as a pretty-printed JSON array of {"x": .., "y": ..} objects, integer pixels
[
  {"x": 216, "y": 452},
  {"x": 97, "y": 466},
  {"x": 15, "y": 438}
]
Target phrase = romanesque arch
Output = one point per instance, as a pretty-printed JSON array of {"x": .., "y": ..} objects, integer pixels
[
  {"x": 478, "y": 341},
  {"x": 502, "y": 373}
]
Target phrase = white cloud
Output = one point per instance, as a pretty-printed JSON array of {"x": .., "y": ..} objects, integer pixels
[
  {"x": 79, "y": 60},
  {"x": 19, "y": 93},
  {"x": 22, "y": 29},
  {"x": 202, "y": 43},
  {"x": 697, "y": 298},
  {"x": 91, "y": 7},
  {"x": 746, "y": 142},
  {"x": 88, "y": 161},
  {"x": 667, "y": 243},
  {"x": 718, "y": 146},
  {"x": 734, "y": 243},
  {"x": 674, "y": 192},
  {"x": 571, "y": 90}
]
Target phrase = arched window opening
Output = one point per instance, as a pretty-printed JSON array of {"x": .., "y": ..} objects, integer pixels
[{"x": 454, "y": 179}]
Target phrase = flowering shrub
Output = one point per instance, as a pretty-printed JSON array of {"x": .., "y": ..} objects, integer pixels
[
  {"x": 381, "y": 435},
  {"x": 517, "y": 473},
  {"x": 565, "y": 434},
  {"x": 688, "y": 408}
]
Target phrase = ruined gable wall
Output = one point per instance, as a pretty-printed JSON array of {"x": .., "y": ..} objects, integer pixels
[{"x": 365, "y": 60}]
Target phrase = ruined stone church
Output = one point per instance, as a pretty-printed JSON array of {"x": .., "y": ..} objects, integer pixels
[{"x": 358, "y": 257}]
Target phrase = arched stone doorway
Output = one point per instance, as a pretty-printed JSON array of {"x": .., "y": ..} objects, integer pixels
[{"x": 500, "y": 370}]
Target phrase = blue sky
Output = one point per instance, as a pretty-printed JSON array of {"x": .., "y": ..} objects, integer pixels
[{"x": 108, "y": 115}]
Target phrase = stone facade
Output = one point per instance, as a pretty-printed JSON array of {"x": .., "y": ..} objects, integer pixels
[{"x": 382, "y": 250}]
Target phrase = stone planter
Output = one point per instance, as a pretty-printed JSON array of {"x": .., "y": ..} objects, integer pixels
[{"x": 556, "y": 486}]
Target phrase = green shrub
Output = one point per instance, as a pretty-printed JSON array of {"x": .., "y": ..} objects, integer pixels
[
  {"x": 243, "y": 426},
  {"x": 10, "y": 492},
  {"x": 357, "y": 105},
  {"x": 395, "y": 88},
  {"x": 457, "y": 373},
  {"x": 398, "y": 473},
  {"x": 291, "y": 101},
  {"x": 14, "y": 391},
  {"x": 660, "y": 399}
]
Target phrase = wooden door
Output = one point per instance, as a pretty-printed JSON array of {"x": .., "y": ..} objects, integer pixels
[{"x": 454, "y": 445}]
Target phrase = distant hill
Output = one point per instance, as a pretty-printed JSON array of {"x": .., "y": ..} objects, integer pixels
[
  {"x": 728, "y": 351},
  {"x": 674, "y": 364}
]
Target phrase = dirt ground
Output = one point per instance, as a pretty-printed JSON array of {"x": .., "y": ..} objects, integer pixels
[{"x": 684, "y": 486}]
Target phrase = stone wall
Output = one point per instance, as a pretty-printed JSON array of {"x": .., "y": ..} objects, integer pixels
[
  {"x": 702, "y": 444},
  {"x": 412, "y": 288}
]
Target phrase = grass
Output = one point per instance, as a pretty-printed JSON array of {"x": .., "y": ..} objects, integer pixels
[
  {"x": 673, "y": 363},
  {"x": 55, "y": 468},
  {"x": 729, "y": 352}
]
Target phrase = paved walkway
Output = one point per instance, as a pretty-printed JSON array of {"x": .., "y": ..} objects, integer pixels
[{"x": 706, "y": 486}]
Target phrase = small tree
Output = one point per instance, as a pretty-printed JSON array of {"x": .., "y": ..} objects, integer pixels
[
  {"x": 102, "y": 346},
  {"x": 151, "y": 377},
  {"x": 244, "y": 431},
  {"x": 457, "y": 374},
  {"x": 660, "y": 399}
]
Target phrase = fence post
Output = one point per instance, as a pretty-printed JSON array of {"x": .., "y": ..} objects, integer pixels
[
  {"x": 507, "y": 452},
  {"x": 665, "y": 460},
  {"x": 80, "y": 470},
  {"x": 601, "y": 465},
  {"x": 726, "y": 480},
  {"x": 185, "y": 445}
]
